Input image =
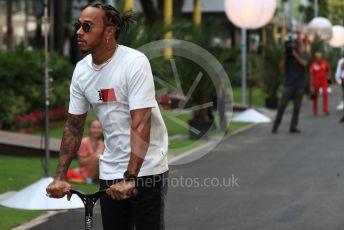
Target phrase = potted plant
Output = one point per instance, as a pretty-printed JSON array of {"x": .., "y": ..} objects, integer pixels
[
  {"x": 204, "y": 96},
  {"x": 271, "y": 74}
]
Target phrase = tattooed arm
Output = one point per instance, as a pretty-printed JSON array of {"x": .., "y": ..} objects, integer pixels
[{"x": 72, "y": 135}]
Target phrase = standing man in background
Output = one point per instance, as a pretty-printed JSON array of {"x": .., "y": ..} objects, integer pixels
[
  {"x": 294, "y": 66},
  {"x": 340, "y": 80},
  {"x": 118, "y": 82},
  {"x": 318, "y": 72}
]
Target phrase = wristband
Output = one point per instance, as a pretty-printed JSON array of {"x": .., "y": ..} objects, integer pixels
[{"x": 127, "y": 176}]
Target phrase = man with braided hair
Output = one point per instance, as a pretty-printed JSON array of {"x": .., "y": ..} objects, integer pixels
[{"x": 117, "y": 81}]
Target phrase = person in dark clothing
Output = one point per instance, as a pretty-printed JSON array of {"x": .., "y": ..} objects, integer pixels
[{"x": 294, "y": 66}]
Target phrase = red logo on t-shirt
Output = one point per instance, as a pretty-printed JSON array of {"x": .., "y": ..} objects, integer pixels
[{"x": 107, "y": 95}]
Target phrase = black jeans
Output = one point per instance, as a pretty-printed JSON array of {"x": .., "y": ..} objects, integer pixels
[
  {"x": 145, "y": 211},
  {"x": 290, "y": 93}
]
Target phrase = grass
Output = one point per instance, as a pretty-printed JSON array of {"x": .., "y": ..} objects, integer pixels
[
  {"x": 177, "y": 147},
  {"x": 13, "y": 168},
  {"x": 176, "y": 123},
  {"x": 13, "y": 217},
  {"x": 258, "y": 97},
  {"x": 235, "y": 126}
]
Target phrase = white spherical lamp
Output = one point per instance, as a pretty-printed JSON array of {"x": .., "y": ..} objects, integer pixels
[
  {"x": 320, "y": 27},
  {"x": 250, "y": 14},
  {"x": 337, "y": 39}
]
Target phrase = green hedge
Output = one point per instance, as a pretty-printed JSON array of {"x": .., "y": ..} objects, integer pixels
[{"x": 21, "y": 88}]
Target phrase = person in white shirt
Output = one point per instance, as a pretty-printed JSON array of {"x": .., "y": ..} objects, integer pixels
[
  {"x": 117, "y": 82},
  {"x": 340, "y": 80}
]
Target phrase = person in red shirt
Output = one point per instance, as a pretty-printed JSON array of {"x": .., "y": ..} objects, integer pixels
[
  {"x": 91, "y": 148},
  {"x": 318, "y": 72}
]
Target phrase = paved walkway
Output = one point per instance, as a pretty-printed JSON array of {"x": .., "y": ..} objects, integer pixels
[
  {"x": 285, "y": 181},
  {"x": 28, "y": 144}
]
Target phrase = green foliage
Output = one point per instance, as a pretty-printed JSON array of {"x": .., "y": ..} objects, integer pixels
[
  {"x": 317, "y": 45},
  {"x": 21, "y": 89},
  {"x": 308, "y": 11},
  {"x": 61, "y": 73},
  {"x": 336, "y": 9},
  {"x": 333, "y": 10},
  {"x": 188, "y": 70},
  {"x": 270, "y": 73},
  {"x": 232, "y": 66},
  {"x": 140, "y": 34},
  {"x": 332, "y": 56}
]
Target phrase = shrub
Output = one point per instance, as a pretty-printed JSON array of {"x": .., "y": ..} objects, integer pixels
[
  {"x": 35, "y": 118},
  {"x": 21, "y": 88}
]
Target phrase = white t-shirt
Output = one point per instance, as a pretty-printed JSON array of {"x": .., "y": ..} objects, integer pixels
[
  {"x": 339, "y": 75},
  {"x": 124, "y": 84}
]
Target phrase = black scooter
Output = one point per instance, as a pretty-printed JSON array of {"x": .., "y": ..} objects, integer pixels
[{"x": 89, "y": 201}]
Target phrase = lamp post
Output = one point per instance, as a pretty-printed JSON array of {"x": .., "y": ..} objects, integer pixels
[
  {"x": 46, "y": 87},
  {"x": 248, "y": 14},
  {"x": 315, "y": 8}
]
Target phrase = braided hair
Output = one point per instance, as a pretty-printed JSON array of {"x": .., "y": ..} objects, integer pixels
[{"x": 113, "y": 17}]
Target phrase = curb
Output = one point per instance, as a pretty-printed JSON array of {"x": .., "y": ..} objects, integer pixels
[
  {"x": 38, "y": 220},
  {"x": 241, "y": 130}
]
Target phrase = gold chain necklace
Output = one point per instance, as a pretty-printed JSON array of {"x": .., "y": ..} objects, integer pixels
[{"x": 99, "y": 67}]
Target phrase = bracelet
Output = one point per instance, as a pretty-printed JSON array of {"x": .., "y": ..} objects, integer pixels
[{"x": 128, "y": 176}]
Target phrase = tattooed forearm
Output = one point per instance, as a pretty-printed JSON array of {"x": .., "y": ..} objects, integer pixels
[{"x": 72, "y": 135}]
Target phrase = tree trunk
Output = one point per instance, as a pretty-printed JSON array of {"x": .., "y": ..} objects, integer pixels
[
  {"x": 152, "y": 13},
  {"x": 9, "y": 33},
  {"x": 153, "y": 9},
  {"x": 26, "y": 33},
  {"x": 58, "y": 25}
]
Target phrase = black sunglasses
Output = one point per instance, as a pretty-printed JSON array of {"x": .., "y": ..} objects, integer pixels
[{"x": 86, "y": 26}]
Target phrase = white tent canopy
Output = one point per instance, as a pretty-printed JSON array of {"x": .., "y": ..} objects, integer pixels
[
  {"x": 251, "y": 116},
  {"x": 34, "y": 197}
]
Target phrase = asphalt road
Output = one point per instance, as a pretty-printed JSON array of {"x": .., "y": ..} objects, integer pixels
[{"x": 283, "y": 181}]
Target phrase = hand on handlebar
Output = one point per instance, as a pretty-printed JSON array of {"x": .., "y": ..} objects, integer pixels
[
  {"x": 121, "y": 190},
  {"x": 58, "y": 189}
]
